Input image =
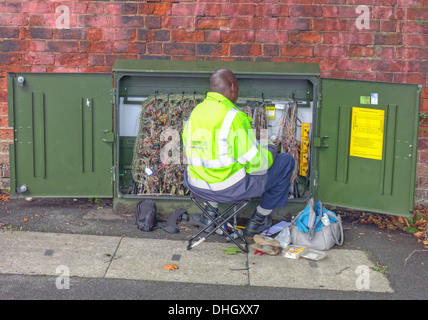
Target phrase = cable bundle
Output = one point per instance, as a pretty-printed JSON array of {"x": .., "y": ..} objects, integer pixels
[
  {"x": 157, "y": 166},
  {"x": 287, "y": 136}
]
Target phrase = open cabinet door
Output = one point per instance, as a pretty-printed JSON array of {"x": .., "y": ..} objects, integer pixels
[
  {"x": 367, "y": 145},
  {"x": 63, "y": 134}
]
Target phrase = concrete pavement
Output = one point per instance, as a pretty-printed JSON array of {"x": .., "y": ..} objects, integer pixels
[
  {"x": 88, "y": 241},
  {"x": 75, "y": 255}
]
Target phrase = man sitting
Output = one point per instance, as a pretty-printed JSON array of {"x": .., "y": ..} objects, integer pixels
[{"x": 226, "y": 163}]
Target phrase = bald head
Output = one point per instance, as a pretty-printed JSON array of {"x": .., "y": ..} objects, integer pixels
[{"x": 223, "y": 81}]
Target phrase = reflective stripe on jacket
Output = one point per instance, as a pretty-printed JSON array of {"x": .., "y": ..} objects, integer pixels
[{"x": 220, "y": 145}]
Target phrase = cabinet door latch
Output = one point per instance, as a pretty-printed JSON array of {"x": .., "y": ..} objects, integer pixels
[{"x": 320, "y": 142}]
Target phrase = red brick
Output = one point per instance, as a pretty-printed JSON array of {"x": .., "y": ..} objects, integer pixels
[
  {"x": 212, "y": 10},
  {"x": 410, "y": 27},
  {"x": 354, "y": 65},
  {"x": 294, "y": 24},
  {"x": 6, "y": 134},
  {"x": 271, "y": 37},
  {"x": 361, "y": 51},
  {"x": 270, "y": 50},
  {"x": 187, "y": 36},
  {"x": 330, "y": 38},
  {"x": 415, "y": 66},
  {"x": 97, "y": 46},
  {"x": 270, "y": 23},
  {"x": 329, "y": 25},
  {"x": 3, "y": 121},
  {"x": 330, "y": 11},
  {"x": 75, "y": 33},
  {"x": 417, "y": 13},
  {"x": 416, "y": 40},
  {"x": 154, "y": 48},
  {"x": 96, "y": 60},
  {"x": 3, "y": 105},
  {"x": 154, "y": 35},
  {"x": 39, "y": 58},
  {"x": 179, "y": 48},
  {"x": 114, "y": 34},
  {"x": 411, "y": 53},
  {"x": 382, "y": 13},
  {"x": 71, "y": 60},
  {"x": 213, "y": 36},
  {"x": 387, "y": 65},
  {"x": 13, "y": 20},
  {"x": 89, "y": 20},
  {"x": 271, "y": 10},
  {"x": 424, "y": 95},
  {"x": 328, "y": 64},
  {"x": 242, "y": 9},
  {"x": 358, "y": 38},
  {"x": 9, "y": 32},
  {"x": 181, "y": 9},
  {"x": 386, "y": 52},
  {"x": 245, "y": 50},
  {"x": 388, "y": 26},
  {"x": 212, "y": 49},
  {"x": 128, "y": 21},
  {"x": 62, "y": 46},
  {"x": 94, "y": 34},
  {"x": 161, "y": 9},
  {"x": 153, "y": 22},
  {"x": 237, "y": 36},
  {"x": 36, "y": 20},
  {"x": 305, "y": 11},
  {"x": 95, "y": 8},
  {"x": 245, "y": 23},
  {"x": 211, "y": 23},
  {"x": 329, "y": 1},
  {"x": 113, "y": 8},
  {"x": 169, "y": 22},
  {"x": 13, "y": 45},
  {"x": 10, "y": 58},
  {"x": 10, "y": 6},
  {"x": 388, "y": 39},
  {"x": 304, "y": 37},
  {"x": 38, "y": 6},
  {"x": 330, "y": 51},
  {"x": 297, "y": 51}
]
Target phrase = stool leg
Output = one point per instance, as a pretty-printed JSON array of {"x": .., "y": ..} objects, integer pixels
[{"x": 219, "y": 223}]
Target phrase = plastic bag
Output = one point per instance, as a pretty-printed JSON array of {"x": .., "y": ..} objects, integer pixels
[{"x": 284, "y": 237}]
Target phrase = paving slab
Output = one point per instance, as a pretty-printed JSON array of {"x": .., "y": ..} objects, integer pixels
[
  {"x": 341, "y": 269},
  {"x": 41, "y": 253},
  {"x": 144, "y": 259}
]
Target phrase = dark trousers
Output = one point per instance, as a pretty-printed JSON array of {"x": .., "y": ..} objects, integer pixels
[{"x": 278, "y": 182}]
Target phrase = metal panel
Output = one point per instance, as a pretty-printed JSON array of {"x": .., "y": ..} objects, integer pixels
[
  {"x": 384, "y": 185},
  {"x": 60, "y": 123}
]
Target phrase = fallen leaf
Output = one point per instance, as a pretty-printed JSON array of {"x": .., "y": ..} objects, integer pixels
[{"x": 171, "y": 266}]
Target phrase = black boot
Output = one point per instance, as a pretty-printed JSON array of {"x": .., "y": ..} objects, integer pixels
[
  {"x": 200, "y": 220},
  {"x": 257, "y": 224}
]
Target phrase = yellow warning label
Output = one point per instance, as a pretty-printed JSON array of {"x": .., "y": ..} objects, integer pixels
[
  {"x": 270, "y": 111},
  {"x": 367, "y": 133}
]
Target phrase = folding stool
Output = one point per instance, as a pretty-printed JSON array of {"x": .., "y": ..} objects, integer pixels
[{"x": 219, "y": 222}]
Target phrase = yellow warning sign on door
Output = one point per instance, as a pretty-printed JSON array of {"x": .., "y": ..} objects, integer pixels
[{"x": 367, "y": 133}]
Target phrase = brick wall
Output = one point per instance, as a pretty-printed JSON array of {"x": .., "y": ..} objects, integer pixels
[{"x": 393, "y": 49}]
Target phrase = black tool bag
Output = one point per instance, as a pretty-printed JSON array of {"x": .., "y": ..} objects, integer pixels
[{"x": 145, "y": 215}]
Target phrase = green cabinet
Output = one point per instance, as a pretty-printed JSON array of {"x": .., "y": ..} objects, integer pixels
[
  {"x": 75, "y": 134},
  {"x": 369, "y": 133},
  {"x": 62, "y": 134}
]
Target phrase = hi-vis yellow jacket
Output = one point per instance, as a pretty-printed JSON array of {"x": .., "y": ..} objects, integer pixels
[{"x": 220, "y": 145}]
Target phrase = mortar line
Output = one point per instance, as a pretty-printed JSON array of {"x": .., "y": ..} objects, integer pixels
[{"x": 113, "y": 256}]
